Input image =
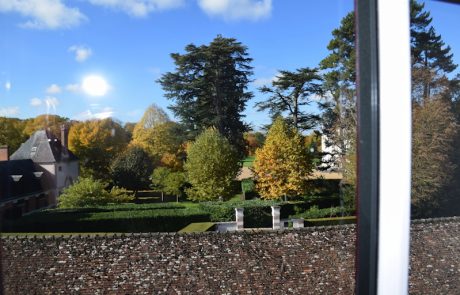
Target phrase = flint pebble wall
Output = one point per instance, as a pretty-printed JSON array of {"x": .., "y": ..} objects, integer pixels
[{"x": 302, "y": 261}]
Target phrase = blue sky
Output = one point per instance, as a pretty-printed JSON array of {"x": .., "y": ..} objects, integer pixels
[{"x": 47, "y": 48}]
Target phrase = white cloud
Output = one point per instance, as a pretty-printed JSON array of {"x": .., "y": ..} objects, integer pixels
[
  {"x": 50, "y": 102},
  {"x": 82, "y": 53},
  {"x": 44, "y": 14},
  {"x": 237, "y": 9},
  {"x": 105, "y": 113},
  {"x": 7, "y": 85},
  {"x": 264, "y": 81},
  {"x": 9, "y": 111},
  {"x": 53, "y": 89},
  {"x": 73, "y": 87},
  {"x": 138, "y": 8},
  {"x": 36, "y": 102}
]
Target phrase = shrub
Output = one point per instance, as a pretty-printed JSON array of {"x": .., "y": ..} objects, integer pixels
[
  {"x": 87, "y": 192},
  {"x": 120, "y": 195}
]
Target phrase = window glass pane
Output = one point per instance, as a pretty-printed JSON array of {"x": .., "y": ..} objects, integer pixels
[
  {"x": 151, "y": 116},
  {"x": 435, "y": 48}
]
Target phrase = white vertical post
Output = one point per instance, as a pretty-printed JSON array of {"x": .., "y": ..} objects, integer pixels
[
  {"x": 276, "y": 217},
  {"x": 239, "y": 215},
  {"x": 395, "y": 146}
]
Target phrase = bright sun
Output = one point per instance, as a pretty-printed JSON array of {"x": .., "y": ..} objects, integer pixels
[{"x": 95, "y": 85}]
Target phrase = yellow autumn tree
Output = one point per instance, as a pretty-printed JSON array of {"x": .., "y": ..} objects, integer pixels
[
  {"x": 283, "y": 164},
  {"x": 96, "y": 143},
  {"x": 161, "y": 138}
]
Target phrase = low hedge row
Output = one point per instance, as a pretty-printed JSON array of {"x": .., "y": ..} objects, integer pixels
[
  {"x": 315, "y": 212},
  {"x": 102, "y": 219},
  {"x": 330, "y": 221}
]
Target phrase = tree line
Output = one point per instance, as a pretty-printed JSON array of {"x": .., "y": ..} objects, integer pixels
[{"x": 208, "y": 90}]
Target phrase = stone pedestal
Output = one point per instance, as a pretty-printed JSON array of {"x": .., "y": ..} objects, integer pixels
[
  {"x": 276, "y": 217},
  {"x": 239, "y": 215}
]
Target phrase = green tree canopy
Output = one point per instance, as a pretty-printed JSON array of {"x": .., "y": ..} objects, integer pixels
[
  {"x": 209, "y": 88},
  {"x": 212, "y": 165},
  {"x": 158, "y": 179},
  {"x": 283, "y": 164},
  {"x": 132, "y": 169},
  {"x": 174, "y": 184},
  {"x": 11, "y": 133}
]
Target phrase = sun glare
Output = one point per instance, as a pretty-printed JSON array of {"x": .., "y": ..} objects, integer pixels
[{"x": 95, "y": 85}]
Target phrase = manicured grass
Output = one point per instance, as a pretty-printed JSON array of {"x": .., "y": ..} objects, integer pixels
[
  {"x": 197, "y": 227},
  {"x": 248, "y": 162}
]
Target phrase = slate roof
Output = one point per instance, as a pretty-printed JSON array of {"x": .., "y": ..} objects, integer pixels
[
  {"x": 42, "y": 147},
  {"x": 28, "y": 184}
]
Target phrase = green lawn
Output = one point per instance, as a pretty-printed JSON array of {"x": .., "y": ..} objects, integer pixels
[
  {"x": 163, "y": 217},
  {"x": 197, "y": 227},
  {"x": 248, "y": 162}
]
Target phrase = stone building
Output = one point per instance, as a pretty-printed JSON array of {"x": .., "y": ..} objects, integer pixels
[{"x": 37, "y": 173}]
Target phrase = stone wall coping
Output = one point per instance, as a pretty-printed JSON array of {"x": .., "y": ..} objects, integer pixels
[{"x": 247, "y": 231}]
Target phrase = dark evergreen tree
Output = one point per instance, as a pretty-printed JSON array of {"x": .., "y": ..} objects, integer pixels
[
  {"x": 209, "y": 88},
  {"x": 431, "y": 58},
  {"x": 289, "y": 93},
  {"x": 339, "y": 105}
]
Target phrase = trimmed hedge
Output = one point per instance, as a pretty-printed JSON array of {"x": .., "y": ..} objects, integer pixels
[
  {"x": 315, "y": 212},
  {"x": 330, "y": 221},
  {"x": 119, "y": 218}
]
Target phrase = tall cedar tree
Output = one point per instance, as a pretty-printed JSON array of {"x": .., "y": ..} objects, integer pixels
[
  {"x": 339, "y": 108},
  {"x": 431, "y": 58},
  {"x": 289, "y": 93},
  {"x": 212, "y": 166},
  {"x": 283, "y": 164},
  {"x": 209, "y": 88}
]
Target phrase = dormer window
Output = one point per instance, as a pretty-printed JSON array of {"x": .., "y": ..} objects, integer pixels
[{"x": 16, "y": 178}]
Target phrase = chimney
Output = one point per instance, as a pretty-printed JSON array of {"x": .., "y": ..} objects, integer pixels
[
  {"x": 64, "y": 136},
  {"x": 4, "y": 153}
]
